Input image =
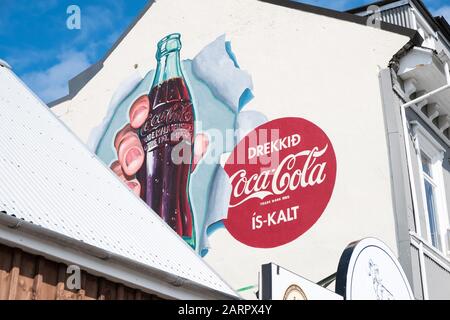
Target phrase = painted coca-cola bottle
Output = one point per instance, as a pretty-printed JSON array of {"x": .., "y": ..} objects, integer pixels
[{"x": 167, "y": 139}]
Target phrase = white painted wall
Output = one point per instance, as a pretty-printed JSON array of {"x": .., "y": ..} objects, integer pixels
[{"x": 302, "y": 64}]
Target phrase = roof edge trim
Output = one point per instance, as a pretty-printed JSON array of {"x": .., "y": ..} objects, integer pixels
[
  {"x": 344, "y": 16},
  {"x": 36, "y": 232},
  {"x": 5, "y": 64}
]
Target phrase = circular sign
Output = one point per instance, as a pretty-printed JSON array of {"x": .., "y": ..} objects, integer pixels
[
  {"x": 368, "y": 270},
  {"x": 282, "y": 176}
]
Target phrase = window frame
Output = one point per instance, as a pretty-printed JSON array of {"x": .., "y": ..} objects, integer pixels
[
  {"x": 430, "y": 179},
  {"x": 435, "y": 152}
]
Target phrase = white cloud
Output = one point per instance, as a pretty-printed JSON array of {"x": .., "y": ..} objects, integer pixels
[
  {"x": 98, "y": 32},
  {"x": 443, "y": 11},
  {"x": 52, "y": 83},
  {"x": 26, "y": 57}
]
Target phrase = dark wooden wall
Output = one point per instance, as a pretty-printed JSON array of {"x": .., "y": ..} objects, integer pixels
[{"x": 25, "y": 276}]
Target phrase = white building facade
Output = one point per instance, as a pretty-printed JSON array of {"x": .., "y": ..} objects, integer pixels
[{"x": 335, "y": 86}]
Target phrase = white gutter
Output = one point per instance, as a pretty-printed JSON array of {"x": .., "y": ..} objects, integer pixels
[
  {"x": 35, "y": 239},
  {"x": 411, "y": 173}
]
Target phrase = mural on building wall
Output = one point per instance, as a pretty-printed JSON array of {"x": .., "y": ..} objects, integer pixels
[{"x": 182, "y": 140}]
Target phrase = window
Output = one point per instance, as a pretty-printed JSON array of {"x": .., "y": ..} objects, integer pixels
[
  {"x": 430, "y": 155},
  {"x": 430, "y": 187}
]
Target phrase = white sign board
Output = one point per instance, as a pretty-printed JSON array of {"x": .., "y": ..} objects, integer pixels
[
  {"x": 277, "y": 283},
  {"x": 368, "y": 270}
]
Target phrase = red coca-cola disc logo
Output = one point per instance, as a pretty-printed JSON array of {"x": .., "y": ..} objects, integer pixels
[{"x": 282, "y": 176}]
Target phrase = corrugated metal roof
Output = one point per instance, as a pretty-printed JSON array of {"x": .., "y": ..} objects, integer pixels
[{"x": 48, "y": 177}]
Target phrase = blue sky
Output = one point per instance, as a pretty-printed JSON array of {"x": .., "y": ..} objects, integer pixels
[{"x": 35, "y": 40}]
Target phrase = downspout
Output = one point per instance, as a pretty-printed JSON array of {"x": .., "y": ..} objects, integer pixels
[{"x": 411, "y": 173}]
